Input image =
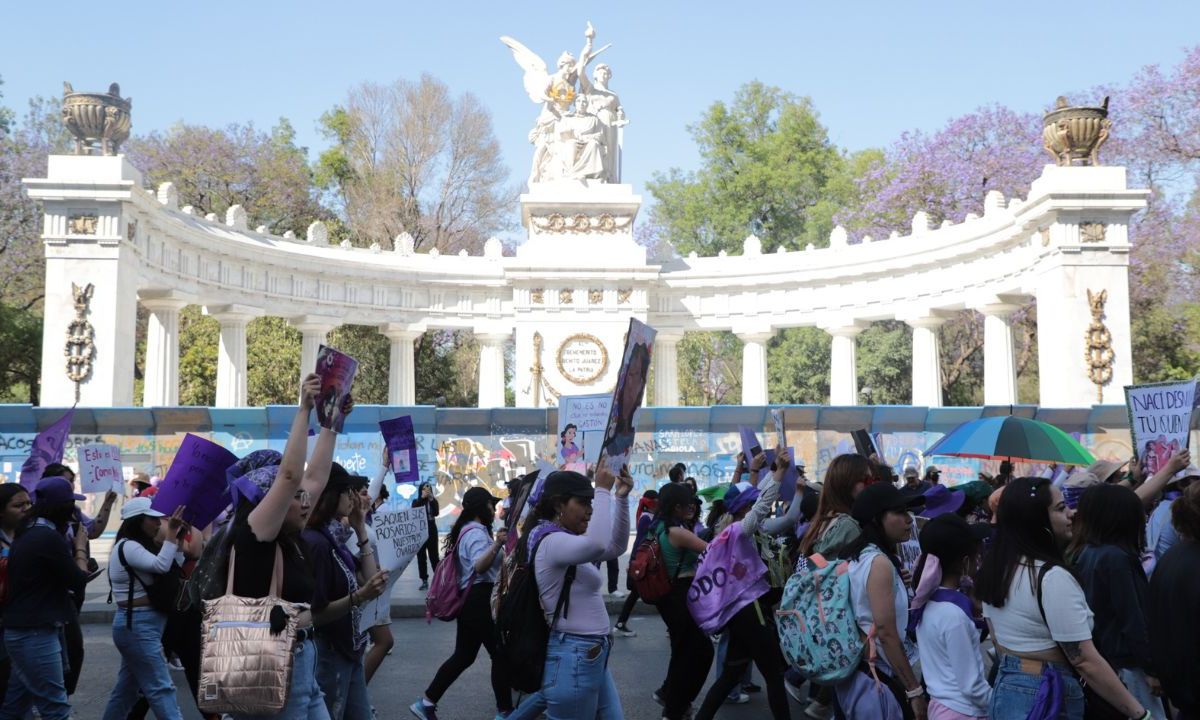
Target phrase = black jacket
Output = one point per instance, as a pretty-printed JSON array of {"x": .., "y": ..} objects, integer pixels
[
  {"x": 1175, "y": 624},
  {"x": 1119, "y": 594},
  {"x": 42, "y": 574},
  {"x": 431, "y": 512}
]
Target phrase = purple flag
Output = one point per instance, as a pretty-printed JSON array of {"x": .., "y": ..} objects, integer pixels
[
  {"x": 197, "y": 480},
  {"x": 47, "y": 448},
  {"x": 730, "y": 576}
]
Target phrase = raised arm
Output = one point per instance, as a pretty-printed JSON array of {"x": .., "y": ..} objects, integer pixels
[
  {"x": 267, "y": 517},
  {"x": 619, "y": 542},
  {"x": 1148, "y": 491}
]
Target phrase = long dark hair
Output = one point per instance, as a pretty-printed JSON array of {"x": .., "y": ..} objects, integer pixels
[
  {"x": 873, "y": 534},
  {"x": 1109, "y": 515},
  {"x": 326, "y": 506},
  {"x": 1023, "y": 533},
  {"x": 485, "y": 514},
  {"x": 562, "y": 436},
  {"x": 547, "y": 508},
  {"x": 8, "y": 491},
  {"x": 837, "y": 495},
  {"x": 131, "y": 529}
]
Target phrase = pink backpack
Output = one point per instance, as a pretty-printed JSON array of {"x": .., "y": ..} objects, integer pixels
[{"x": 446, "y": 597}]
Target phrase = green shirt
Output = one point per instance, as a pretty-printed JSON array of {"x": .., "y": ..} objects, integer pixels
[{"x": 679, "y": 561}]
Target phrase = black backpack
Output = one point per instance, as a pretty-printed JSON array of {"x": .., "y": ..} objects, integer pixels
[
  {"x": 523, "y": 633},
  {"x": 208, "y": 577}
]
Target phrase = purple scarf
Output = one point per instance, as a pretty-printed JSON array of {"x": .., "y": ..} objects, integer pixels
[
  {"x": 539, "y": 532},
  {"x": 1049, "y": 702}
]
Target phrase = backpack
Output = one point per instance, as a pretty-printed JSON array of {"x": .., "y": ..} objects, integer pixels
[
  {"x": 207, "y": 579},
  {"x": 446, "y": 596},
  {"x": 648, "y": 570},
  {"x": 818, "y": 632},
  {"x": 522, "y": 628}
]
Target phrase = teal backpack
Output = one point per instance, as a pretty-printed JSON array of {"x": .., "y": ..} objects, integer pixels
[{"x": 818, "y": 632}]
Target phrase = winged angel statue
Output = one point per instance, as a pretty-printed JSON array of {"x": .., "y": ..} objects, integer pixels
[{"x": 577, "y": 133}]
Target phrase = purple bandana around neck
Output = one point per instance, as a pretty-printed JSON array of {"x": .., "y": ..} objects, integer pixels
[{"x": 539, "y": 532}]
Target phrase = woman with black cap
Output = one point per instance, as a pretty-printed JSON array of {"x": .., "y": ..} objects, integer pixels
[
  {"x": 340, "y": 514},
  {"x": 880, "y": 601},
  {"x": 480, "y": 554},
  {"x": 572, "y": 528},
  {"x": 41, "y": 578}
]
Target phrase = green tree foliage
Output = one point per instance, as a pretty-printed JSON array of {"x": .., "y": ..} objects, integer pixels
[
  {"x": 199, "y": 337},
  {"x": 365, "y": 344},
  {"x": 710, "y": 368},
  {"x": 798, "y": 366},
  {"x": 272, "y": 362},
  {"x": 20, "y": 354}
]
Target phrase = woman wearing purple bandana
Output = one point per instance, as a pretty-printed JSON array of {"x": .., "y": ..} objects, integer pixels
[
  {"x": 342, "y": 584},
  {"x": 1039, "y": 616}
]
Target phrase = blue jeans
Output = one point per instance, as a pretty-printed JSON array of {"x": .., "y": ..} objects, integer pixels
[
  {"x": 143, "y": 666},
  {"x": 1014, "y": 692},
  {"x": 343, "y": 683},
  {"x": 305, "y": 701},
  {"x": 38, "y": 657},
  {"x": 576, "y": 684}
]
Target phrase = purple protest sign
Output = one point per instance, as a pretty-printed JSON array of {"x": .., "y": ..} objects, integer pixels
[
  {"x": 401, "y": 443},
  {"x": 47, "y": 448},
  {"x": 730, "y": 576},
  {"x": 337, "y": 371},
  {"x": 627, "y": 396},
  {"x": 787, "y": 487},
  {"x": 196, "y": 480}
]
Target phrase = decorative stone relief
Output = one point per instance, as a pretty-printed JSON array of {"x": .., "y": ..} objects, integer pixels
[
  {"x": 539, "y": 386},
  {"x": 131, "y": 230},
  {"x": 80, "y": 348},
  {"x": 83, "y": 224},
  {"x": 1092, "y": 232},
  {"x": 581, "y": 223},
  {"x": 623, "y": 296},
  {"x": 1045, "y": 235},
  {"x": 1099, "y": 354},
  {"x": 595, "y": 297},
  {"x": 537, "y": 296},
  {"x": 566, "y": 297}
]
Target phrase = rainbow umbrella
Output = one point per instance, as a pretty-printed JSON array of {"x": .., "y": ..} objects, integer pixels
[{"x": 1012, "y": 438}]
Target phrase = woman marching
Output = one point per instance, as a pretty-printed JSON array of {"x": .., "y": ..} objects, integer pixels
[
  {"x": 751, "y": 631},
  {"x": 479, "y": 554},
  {"x": 576, "y": 526},
  {"x": 343, "y": 583},
  {"x": 138, "y": 561},
  {"x": 15, "y": 511},
  {"x": 429, "y": 550},
  {"x": 1040, "y": 619}
]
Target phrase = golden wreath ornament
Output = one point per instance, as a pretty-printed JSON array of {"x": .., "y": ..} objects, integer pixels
[{"x": 80, "y": 348}]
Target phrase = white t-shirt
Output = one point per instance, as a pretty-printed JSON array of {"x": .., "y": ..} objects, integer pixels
[
  {"x": 948, "y": 644},
  {"x": 1018, "y": 625}
]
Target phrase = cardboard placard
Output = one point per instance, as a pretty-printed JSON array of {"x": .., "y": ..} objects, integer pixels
[
  {"x": 1160, "y": 418},
  {"x": 401, "y": 443},
  {"x": 627, "y": 396},
  {"x": 100, "y": 468},
  {"x": 196, "y": 480},
  {"x": 337, "y": 371},
  {"x": 589, "y": 414},
  {"x": 399, "y": 535}
]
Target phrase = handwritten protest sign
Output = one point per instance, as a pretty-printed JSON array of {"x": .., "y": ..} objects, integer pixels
[
  {"x": 399, "y": 535},
  {"x": 780, "y": 431},
  {"x": 589, "y": 414},
  {"x": 196, "y": 479},
  {"x": 619, "y": 431},
  {"x": 401, "y": 443},
  {"x": 337, "y": 371},
  {"x": 1160, "y": 416},
  {"x": 99, "y": 468}
]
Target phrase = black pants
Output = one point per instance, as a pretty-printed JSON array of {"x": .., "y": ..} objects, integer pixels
[
  {"x": 475, "y": 628},
  {"x": 691, "y": 651},
  {"x": 181, "y": 637},
  {"x": 614, "y": 571},
  {"x": 430, "y": 549},
  {"x": 73, "y": 635},
  {"x": 627, "y": 608},
  {"x": 752, "y": 637}
]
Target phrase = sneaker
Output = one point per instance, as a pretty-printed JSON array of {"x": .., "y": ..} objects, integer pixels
[
  {"x": 796, "y": 691},
  {"x": 818, "y": 711},
  {"x": 623, "y": 630},
  {"x": 424, "y": 585},
  {"x": 751, "y": 688},
  {"x": 737, "y": 697},
  {"x": 619, "y": 594},
  {"x": 425, "y": 712}
]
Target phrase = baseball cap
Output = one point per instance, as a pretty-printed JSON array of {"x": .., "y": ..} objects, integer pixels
[
  {"x": 139, "y": 506},
  {"x": 570, "y": 483},
  {"x": 933, "y": 470},
  {"x": 478, "y": 497},
  {"x": 55, "y": 491},
  {"x": 1075, "y": 484},
  {"x": 911, "y": 471},
  {"x": 949, "y": 535},
  {"x": 877, "y": 499},
  {"x": 340, "y": 479}
]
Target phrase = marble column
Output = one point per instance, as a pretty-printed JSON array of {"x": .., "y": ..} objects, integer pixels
[
  {"x": 754, "y": 367},
  {"x": 926, "y": 361},
  {"x": 999, "y": 361},
  {"x": 491, "y": 369},
  {"x": 666, "y": 370},
  {"x": 843, "y": 365},
  {"x": 161, "y": 388},
  {"x": 402, "y": 375},
  {"x": 314, "y": 332},
  {"x": 231, "y": 353}
]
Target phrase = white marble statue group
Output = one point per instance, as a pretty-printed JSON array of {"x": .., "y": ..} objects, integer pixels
[{"x": 577, "y": 135}]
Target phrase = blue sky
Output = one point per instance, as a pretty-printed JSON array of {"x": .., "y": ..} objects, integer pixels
[{"x": 873, "y": 69}]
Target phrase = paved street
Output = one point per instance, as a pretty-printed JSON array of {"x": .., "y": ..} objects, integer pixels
[{"x": 638, "y": 665}]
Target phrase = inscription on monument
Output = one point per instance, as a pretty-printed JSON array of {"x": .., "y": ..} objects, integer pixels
[{"x": 582, "y": 358}]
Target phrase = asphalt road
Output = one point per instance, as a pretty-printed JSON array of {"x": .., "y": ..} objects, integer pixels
[{"x": 638, "y": 665}]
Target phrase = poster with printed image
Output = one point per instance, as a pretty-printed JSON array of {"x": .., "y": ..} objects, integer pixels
[
  {"x": 337, "y": 371},
  {"x": 401, "y": 443},
  {"x": 627, "y": 397}
]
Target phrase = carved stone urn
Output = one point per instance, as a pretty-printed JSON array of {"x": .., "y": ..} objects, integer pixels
[
  {"x": 92, "y": 118},
  {"x": 1073, "y": 135}
]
